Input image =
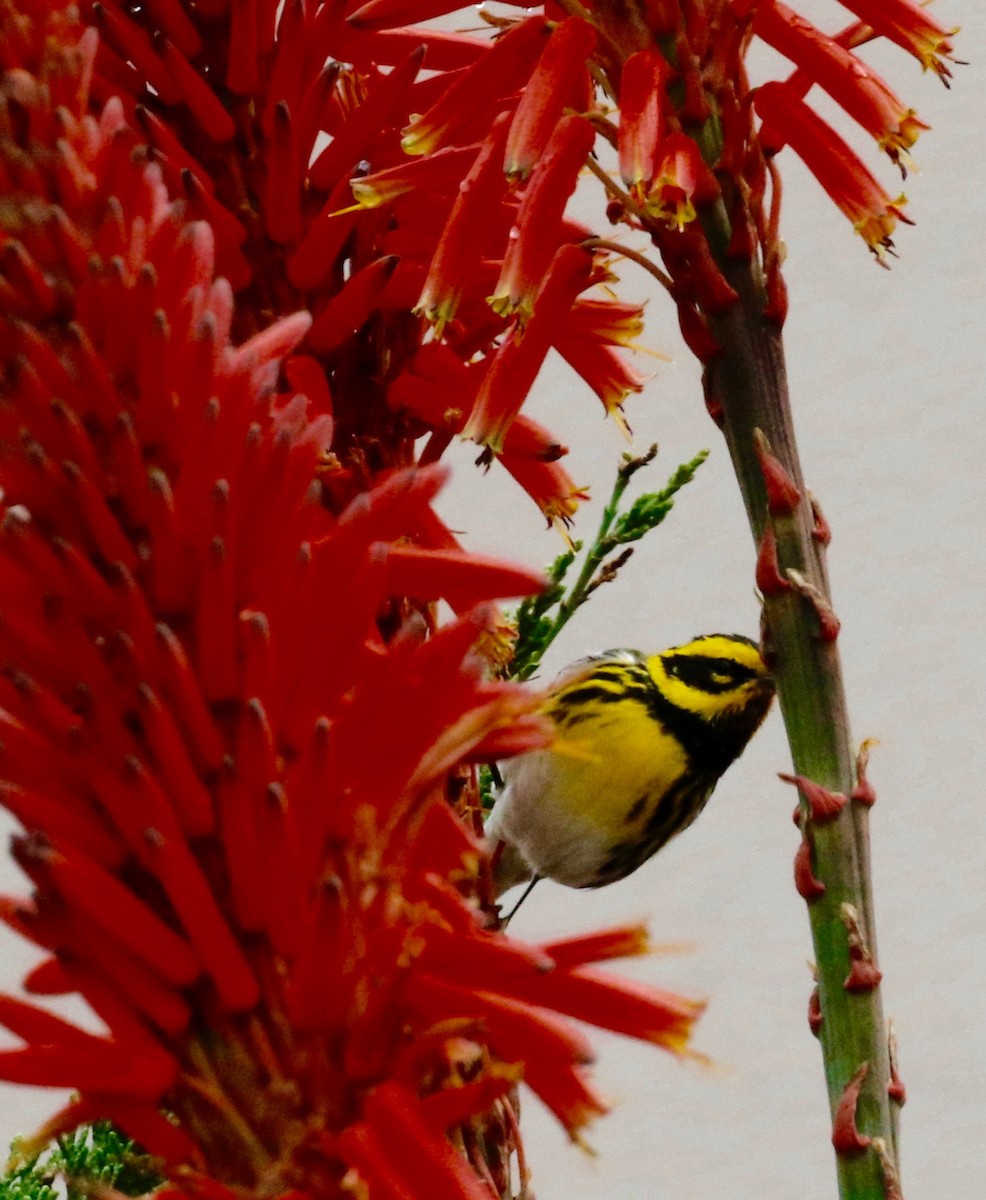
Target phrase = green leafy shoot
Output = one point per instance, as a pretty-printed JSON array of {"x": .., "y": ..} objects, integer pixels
[
  {"x": 93, "y": 1158},
  {"x": 28, "y": 1181},
  {"x": 541, "y": 618},
  {"x": 102, "y": 1154}
]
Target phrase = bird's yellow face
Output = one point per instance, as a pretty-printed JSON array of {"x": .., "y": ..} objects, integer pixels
[{"x": 715, "y": 677}]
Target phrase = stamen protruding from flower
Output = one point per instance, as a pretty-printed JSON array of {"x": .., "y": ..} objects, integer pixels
[
  {"x": 524, "y": 349},
  {"x": 840, "y": 172},
  {"x": 911, "y": 26},
  {"x": 532, "y": 241},
  {"x": 681, "y": 181},
  {"x": 859, "y": 90}
]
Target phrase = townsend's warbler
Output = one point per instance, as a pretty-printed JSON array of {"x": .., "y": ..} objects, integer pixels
[{"x": 640, "y": 744}]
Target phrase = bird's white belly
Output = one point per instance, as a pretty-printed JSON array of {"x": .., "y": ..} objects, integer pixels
[{"x": 536, "y": 815}]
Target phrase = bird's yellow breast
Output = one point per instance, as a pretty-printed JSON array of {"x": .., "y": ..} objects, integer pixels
[{"x": 614, "y": 765}]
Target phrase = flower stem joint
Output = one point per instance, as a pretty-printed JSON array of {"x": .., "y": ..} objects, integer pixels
[
  {"x": 828, "y": 623},
  {"x": 895, "y": 1088},
  {"x": 820, "y": 805},
  {"x": 864, "y": 975},
  {"x": 769, "y": 580},
  {"x": 847, "y": 1141},
  {"x": 783, "y": 496},
  {"x": 823, "y": 805},
  {"x": 815, "y": 1018},
  {"x": 808, "y": 887},
  {"x": 863, "y": 792}
]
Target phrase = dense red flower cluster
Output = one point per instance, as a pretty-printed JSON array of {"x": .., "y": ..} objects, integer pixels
[
  {"x": 260, "y": 263},
  {"x": 227, "y": 737},
  {"x": 364, "y": 169},
  {"x": 271, "y": 126}
]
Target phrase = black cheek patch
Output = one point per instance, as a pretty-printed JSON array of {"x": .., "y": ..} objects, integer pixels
[{"x": 711, "y": 675}]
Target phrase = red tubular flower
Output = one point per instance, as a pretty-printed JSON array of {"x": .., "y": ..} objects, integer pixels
[
  {"x": 526, "y": 439},
  {"x": 440, "y": 390},
  {"x": 461, "y": 244},
  {"x": 533, "y": 240},
  {"x": 475, "y": 97},
  {"x": 611, "y": 322},
  {"x": 605, "y": 371},
  {"x": 910, "y": 26},
  {"x": 384, "y": 100},
  {"x": 873, "y": 214},
  {"x": 439, "y": 173},
  {"x": 860, "y": 91},
  {"x": 622, "y": 1006},
  {"x": 622, "y": 942},
  {"x": 547, "y": 483},
  {"x": 642, "y": 119},
  {"x": 463, "y": 580},
  {"x": 587, "y": 343},
  {"x": 560, "y": 71},
  {"x": 520, "y": 357},
  {"x": 445, "y": 51}
]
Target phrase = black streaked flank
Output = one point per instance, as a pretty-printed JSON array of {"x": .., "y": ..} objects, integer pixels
[
  {"x": 637, "y": 809},
  {"x": 569, "y": 709},
  {"x": 674, "y": 811}
]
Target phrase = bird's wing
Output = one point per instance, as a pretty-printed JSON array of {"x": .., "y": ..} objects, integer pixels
[{"x": 582, "y": 668}]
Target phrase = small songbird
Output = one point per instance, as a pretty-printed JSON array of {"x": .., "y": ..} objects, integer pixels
[{"x": 640, "y": 744}]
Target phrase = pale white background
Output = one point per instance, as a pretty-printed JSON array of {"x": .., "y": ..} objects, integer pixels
[{"x": 887, "y": 376}]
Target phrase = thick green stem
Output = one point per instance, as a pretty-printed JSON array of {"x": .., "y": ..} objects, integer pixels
[{"x": 746, "y": 387}]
